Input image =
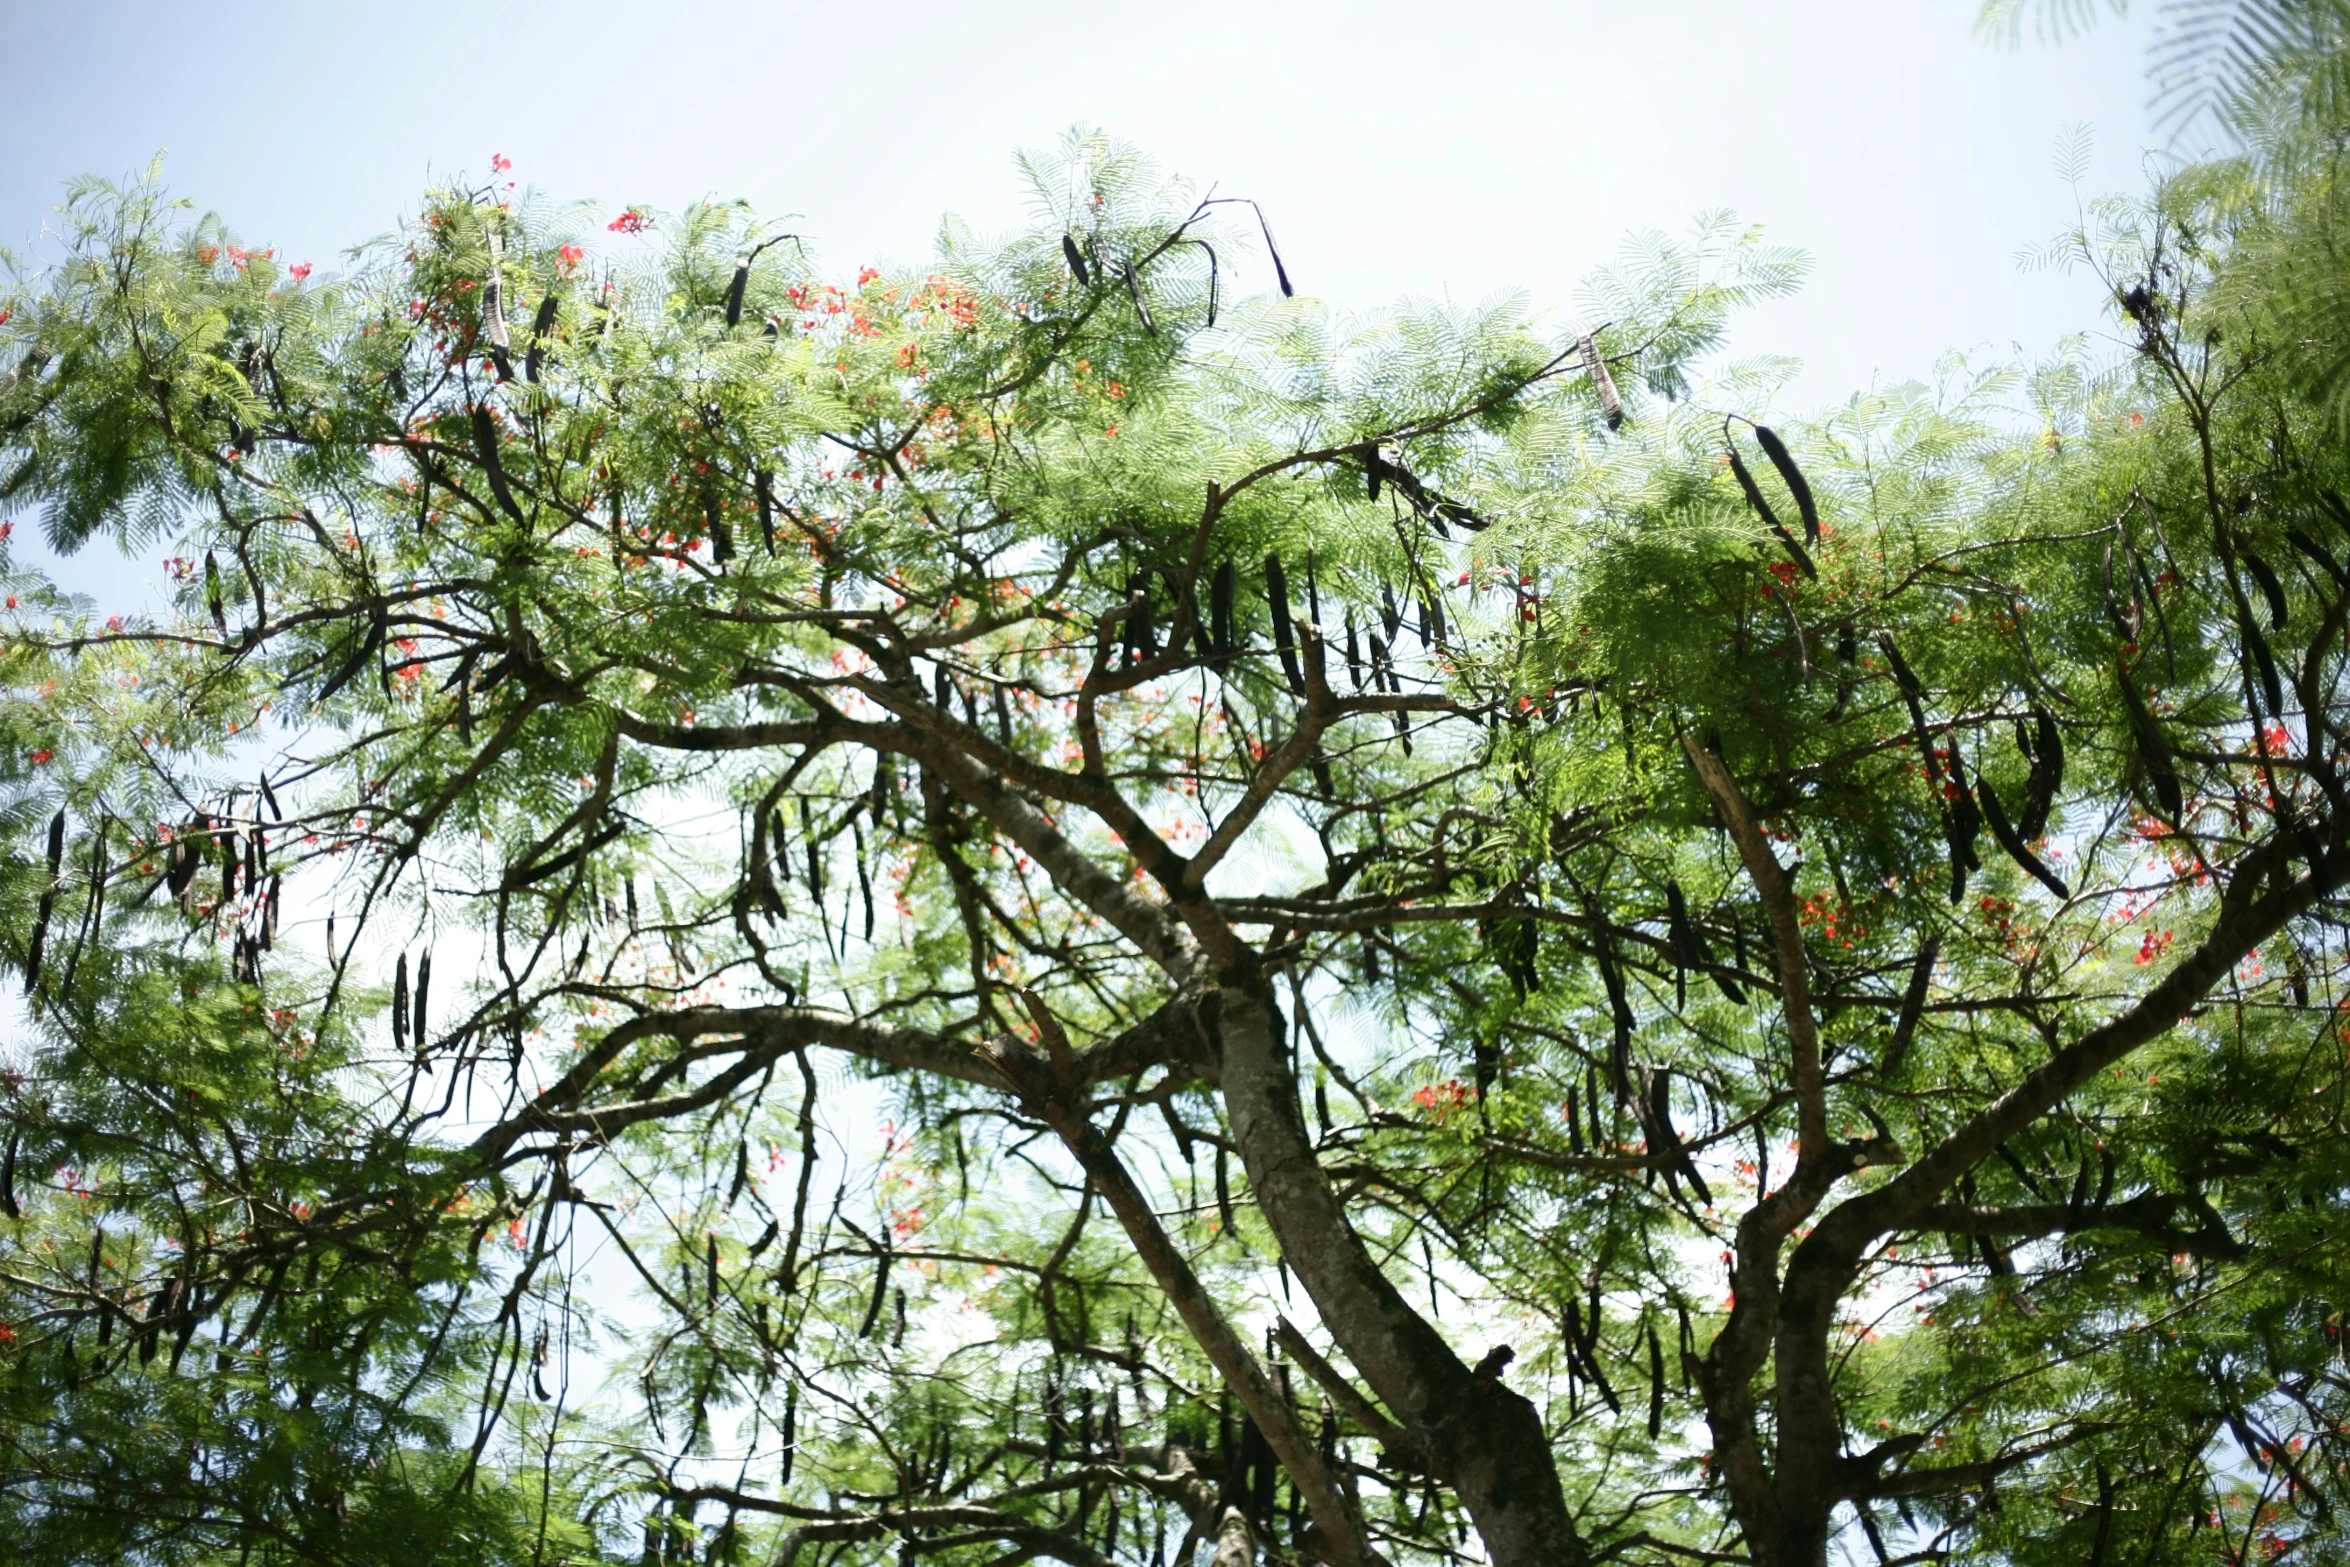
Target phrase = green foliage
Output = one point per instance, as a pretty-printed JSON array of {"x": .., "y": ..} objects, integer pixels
[{"x": 780, "y": 710}]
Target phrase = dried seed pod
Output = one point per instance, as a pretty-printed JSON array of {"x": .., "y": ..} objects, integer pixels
[
  {"x": 1076, "y": 259},
  {"x": 2264, "y": 665},
  {"x": 735, "y": 290},
  {"x": 1142, "y": 309},
  {"x": 1776, "y": 450},
  {"x": 2047, "y": 753},
  {"x": 369, "y": 640},
  {"x": 8, "y": 1204},
  {"x": 1284, "y": 640},
  {"x": 763, "y": 489},
  {"x": 417, "y": 1028},
  {"x": 493, "y": 323},
  {"x": 1354, "y": 653},
  {"x": 2270, "y": 587},
  {"x": 1280, "y": 272},
  {"x": 213, "y": 598},
  {"x": 485, "y": 446},
  {"x": 2013, "y": 842},
  {"x": 1912, "y": 693},
  {"x": 1962, "y": 822},
  {"x": 400, "y": 1005},
  {"x": 2154, "y": 749},
  {"x": 1762, "y": 509},
  {"x": 1374, "y": 472},
  {"x": 1611, "y": 403},
  {"x": 1220, "y": 607},
  {"x": 1689, "y": 945},
  {"x": 40, "y": 940},
  {"x": 2320, "y": 554},
  {"x": 541, "y": 325}
]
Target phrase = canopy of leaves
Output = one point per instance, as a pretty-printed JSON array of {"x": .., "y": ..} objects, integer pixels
[{"x": 1016, "y": 911}]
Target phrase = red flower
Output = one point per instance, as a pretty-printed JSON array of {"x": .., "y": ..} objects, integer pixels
[
  {"x": 570, "y": 256},
  {"x": 43, "y": 757},
  {"x": 629, "y": 222},
  {"x": 500, "y": 163},
  {"x": 298, "y": 272},
  {"x": 866, "y": 275}
]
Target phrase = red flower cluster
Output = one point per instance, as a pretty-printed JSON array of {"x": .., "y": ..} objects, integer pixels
[{"x": 629, "y": 222}]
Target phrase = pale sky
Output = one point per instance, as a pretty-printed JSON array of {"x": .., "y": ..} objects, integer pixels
[{"x": 1456, "y": 149}]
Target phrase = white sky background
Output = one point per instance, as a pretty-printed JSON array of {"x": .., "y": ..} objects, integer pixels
[{"x": 1462, "y": 149}]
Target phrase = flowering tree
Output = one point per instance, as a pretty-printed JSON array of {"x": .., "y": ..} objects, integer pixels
[{"x": 1810, "y": 955}]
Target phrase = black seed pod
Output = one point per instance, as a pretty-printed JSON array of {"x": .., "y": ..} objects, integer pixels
[
  {"x": 1354, "y": 654},
  {"x": 2154, "y": 750},
  {"x": 2270, "y": 588},
  {"x": 1776, "y": 450},
  {"x": 485, "y": 446},
  {"x": 1762, "y": 509},
  {"x": 2047, "y": 753},
  {"x": 1220, "y": 607},
  {"x": 1374, "y": 471},
  {"x": 1142, "y": 309},
  {"x": 1284, "y": 640},
  {"x": 763, "y": 488},
  {"x": 540, "y": 326},
  {"x": 400, "y": 1005},
  {"x": 734, "y": 293},
  {"x": 1076, "y": 259},
  {"x": 8, "y": 1203},
  {"x": 417, "y": 1028},
  {"x": 2013, "y": 842},
  {"x": 2320, "y": 554},
  {"x": 213, "y": 598},
  {"x": 1611, "y": 403},
  {"x": 1912, "y": 693},
  {"x": 1280, "y": 272}
]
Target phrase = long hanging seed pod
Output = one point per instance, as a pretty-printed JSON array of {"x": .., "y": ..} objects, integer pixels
[
  {"x": 1390, "y": 617},
  {"x": 1142, "y": 309},
  {"x": 1220, "y": 607},
  {"x": 212, "y": 593},
  {"x": 1762, "y": 509},
  {"x": 1280, "y": 272},
  {"x": 2012, "y": 841},
  {"x": 735, "y": 289},
  {"x": 2046, "y": 750},
  {"x": 1964, "y": 822},
  {"x": 763, "y": 491},
  {"x": 1374, "y": 472},
  {"x": 400, "y": 1005},
  {"x": 1076, "y": 259},
  {"x": 1913, "y": 693},
  {"x": 1354, "y": 655},
  {"x": 417, "y": 1029},
  {"x": 1313, "y": 593},
  {"x": 2321, "y": 555},
  {"x": 2270, "y": 587},
  {"x": 2154, "y": 749},
  {"x": 485, "y": 446},
  {"x": 493, "y": 309},
  {"x": 541, "y": 326},
  {"x": 369, "y": 641},
  {"x": 1656, "y": 1384},
  {"x": 1619, "y": 1058},
  {"x": 864, "y": 876},
  {"x": 32, "y": 967},
  {"x": 1284, "y": 640},
  {"x": 1611, "y": 403},
  {"x": 1781, "y": 459},
  {"x": 8, "y": 1204}
]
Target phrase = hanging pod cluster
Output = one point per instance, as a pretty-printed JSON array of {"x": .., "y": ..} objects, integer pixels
[{"x": 1807, "y": 509}]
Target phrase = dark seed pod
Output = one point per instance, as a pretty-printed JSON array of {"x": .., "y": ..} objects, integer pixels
[
  {"x": 1913, "y": 693},
  {"x": 1762, "y": 509},
  {"x": 735, "y": 291},
  {"x": 8, "y": 1204},
  {"x": 542, "y": 324},
  {"x": 1284, "y": 640},
  {"x": 369, "y": 641},
  {"x": 1280, "y": 272},
  {"x": 763, "y": 490},
  {"x": 1913, "y": 1007},
  {"x": 40, "y": 941},
  {"x": 213, "y": 598},
  {"x": 2013, "y": 842},
  {"x": 1776, "y": 450},
  {"x": 1220, "y": 607},
  {"x": 2264, "y": 665},
  {"x": 400, "y": 1005},
  {"x": 1354, "y": 654},
  {"x": 485, "y": 446},
  {"x": 1611, "y": 403},
  {"x": 2270, "y": 587},
  {"x": 1374, "y": 472},
  {"x": 1076, "y": 259},
  {"x": 2320, "y": 554},
  {"x": 1142, "y": 309},
  {"x": 2047, "y": 779},
  {"x": 417, "y": 1028},
  {"x": 1390, "y": 617},
  {"x": 2154, "y": 750},
  {"x": 1690, "y": 950},
  {"x": 1963, "y": 823},
  {"x": 56, "y": 845}
]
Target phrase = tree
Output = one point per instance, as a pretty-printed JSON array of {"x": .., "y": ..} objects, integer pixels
[{"x": 1285, "y": 821}]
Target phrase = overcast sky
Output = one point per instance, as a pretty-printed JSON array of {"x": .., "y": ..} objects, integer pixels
[{"x": 1456, "y": 149}]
